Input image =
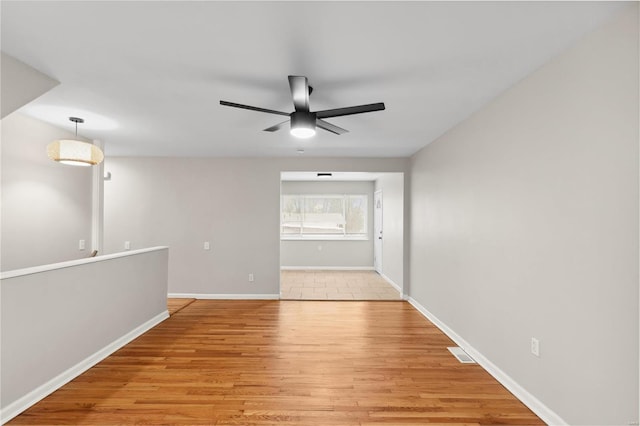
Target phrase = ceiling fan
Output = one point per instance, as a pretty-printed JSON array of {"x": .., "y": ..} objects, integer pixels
[{"x": 303, "y": 121}]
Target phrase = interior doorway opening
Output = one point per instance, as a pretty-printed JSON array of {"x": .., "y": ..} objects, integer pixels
[{"x": 340, "y": 237}]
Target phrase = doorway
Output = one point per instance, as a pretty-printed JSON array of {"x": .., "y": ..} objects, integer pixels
[{"x": 332, "y": 226}]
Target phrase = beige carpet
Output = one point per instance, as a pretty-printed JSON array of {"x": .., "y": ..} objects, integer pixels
[{"x": 335, "y": 285}]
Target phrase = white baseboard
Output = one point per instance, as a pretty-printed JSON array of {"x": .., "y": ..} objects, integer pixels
[
  {"x": 21, "y": 404},
  {"x": 327, "y": 268},
  {"x": 541, "y": 410},
  {"x": 224, "y": 296}
]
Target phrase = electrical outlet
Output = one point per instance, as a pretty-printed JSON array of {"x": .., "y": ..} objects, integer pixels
[
  {"x": 250, "y": 278},
  {"x": 207, "y": 246},
  {"x": 535, "y": 346},
  {"x": 81, "y": 245}
]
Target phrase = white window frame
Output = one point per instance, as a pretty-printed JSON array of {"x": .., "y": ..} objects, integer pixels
[{"x": 326, "y": 237}]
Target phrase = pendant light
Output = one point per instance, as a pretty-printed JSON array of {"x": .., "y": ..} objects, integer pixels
[{"x": 75, "y": 152}]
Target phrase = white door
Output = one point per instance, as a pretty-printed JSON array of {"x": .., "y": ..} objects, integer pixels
[{"x": 377, "y": 231}]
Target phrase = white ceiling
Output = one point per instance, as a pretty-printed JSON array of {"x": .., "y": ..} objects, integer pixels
[{"x": 148, "y": 76}]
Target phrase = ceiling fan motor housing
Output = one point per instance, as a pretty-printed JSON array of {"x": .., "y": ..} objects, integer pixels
[{"x": 303, "y": 120}]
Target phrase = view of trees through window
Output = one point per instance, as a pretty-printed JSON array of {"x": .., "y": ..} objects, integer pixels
[{"x": 318, "y": 215}]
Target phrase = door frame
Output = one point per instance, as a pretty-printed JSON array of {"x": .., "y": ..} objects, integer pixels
[{"x": 377, "y": 230}]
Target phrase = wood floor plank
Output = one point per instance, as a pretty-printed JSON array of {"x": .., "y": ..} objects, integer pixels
[
  {"x": 177, "y": 304},
  {"x": 285, "y": 363}
]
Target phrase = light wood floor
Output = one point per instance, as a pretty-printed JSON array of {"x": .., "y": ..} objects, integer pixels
[
  {"x": 335, "y": 285},
  {"x": 285, "y": 363}
]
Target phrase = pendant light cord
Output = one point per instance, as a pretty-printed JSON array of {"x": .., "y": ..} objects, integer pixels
[{"x": 76, "y": 120}]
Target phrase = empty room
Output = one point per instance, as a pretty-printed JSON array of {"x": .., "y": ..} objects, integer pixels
[{"x": 444, "y": 228}]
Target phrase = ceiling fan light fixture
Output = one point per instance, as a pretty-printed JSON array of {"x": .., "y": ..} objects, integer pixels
[
  {"x": 303, "y": 132},
  {"x": 303, "y": 124},
  {"x": 302, "y": 120}
]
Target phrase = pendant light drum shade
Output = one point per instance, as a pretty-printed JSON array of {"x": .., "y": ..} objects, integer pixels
[{"x": 73, "y": 152}]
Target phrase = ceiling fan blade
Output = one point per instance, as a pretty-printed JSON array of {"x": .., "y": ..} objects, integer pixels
[
  {"x": 252, "y": 108},
  {"x": 338, "y": 112},
  {"x": 299, "y": 92},
  {"x": 330, "y": 127},
  {"x": 276, "y": 127}
]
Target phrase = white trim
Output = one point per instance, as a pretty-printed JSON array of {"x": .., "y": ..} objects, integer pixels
[
  {"x": 545, "y": 413},
  {"x": 378, "y": 244},
  {"x": 390, "y": 281},
  {"x": 70, "y": 263},
  {"x": 224, "y": 296},
  {"x": 97, "y": 203},
  {"x": 326, "y": 268},
  {"x": 21, "y": 404}
]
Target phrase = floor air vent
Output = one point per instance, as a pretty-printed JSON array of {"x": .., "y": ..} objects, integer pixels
[{"x": 461, "y": 355}]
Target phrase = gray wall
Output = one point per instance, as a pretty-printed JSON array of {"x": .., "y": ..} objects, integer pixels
[
  {"x": 342, "y": 253},
  {"x": 525, "y": 223},
  {"x": 232, "y": 202},
  {"x": 45, "y": 206},
  {"x": 393, "y": 229}
]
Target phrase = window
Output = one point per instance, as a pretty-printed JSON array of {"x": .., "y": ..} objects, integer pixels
[{"x": 323, "y": 217}]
